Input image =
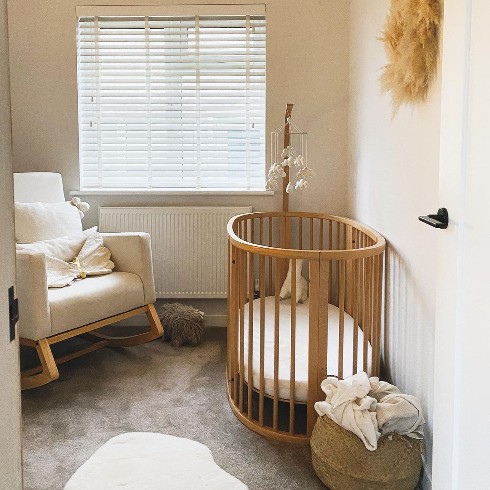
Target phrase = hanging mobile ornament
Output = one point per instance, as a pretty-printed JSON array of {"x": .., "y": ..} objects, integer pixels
[{"x": 291, "y": 155}]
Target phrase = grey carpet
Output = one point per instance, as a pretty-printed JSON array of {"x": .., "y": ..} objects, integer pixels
[{"x": 156, "y": 388}]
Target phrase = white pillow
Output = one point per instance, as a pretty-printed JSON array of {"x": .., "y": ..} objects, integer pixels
[
  {"x": 64, "y": 247},
  {"x": 301, "y": 283},
  {"x": 42, "y": 221}
]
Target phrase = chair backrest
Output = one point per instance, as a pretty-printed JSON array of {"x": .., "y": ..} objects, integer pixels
[{"x": 38, "y": 187}]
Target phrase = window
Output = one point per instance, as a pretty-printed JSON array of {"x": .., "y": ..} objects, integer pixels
[{"x": 171, "y": 101}]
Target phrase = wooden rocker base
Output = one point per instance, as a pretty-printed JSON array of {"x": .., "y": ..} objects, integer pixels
[{"x": 48, "y": 370}]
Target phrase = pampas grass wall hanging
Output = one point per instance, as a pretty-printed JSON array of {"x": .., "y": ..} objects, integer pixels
[{"x": 411, "y": 39}]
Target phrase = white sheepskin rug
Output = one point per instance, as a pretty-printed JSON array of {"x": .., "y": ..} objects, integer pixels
[{"x": 144, "y": 461}]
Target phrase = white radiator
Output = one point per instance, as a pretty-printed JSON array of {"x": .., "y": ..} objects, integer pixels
[{"x": 189, "y": 245}]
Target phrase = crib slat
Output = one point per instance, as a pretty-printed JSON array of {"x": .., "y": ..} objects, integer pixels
[
  {"x": 380, "y": 311},
  {"x": 323, "y": 322},
  {"x": 235, "y": 298},
  {"x": 380, "y": 308},
  {"x": 372, "y": 287},
  {"x": 250, "y": 330},
  {"x": 374, "y": 273},
  {"x": 270, "y": 257},
  {"x": 371, "y": 304},
  {"x": 337, "y": 262},
  {"x": 262, "y": 337},
  {"x": 373, "y": 307},
  {"x": 243, "y": 292},
  {"x": 374, "y": 342},
  {"x": 232, "y": 324},
  {"x": 362, "y": 266},
  {"x": 277, "y": 287},
  {"x": 355, "y": 315},
  {"x": 353, "y": 304},
  {"x": 312, "y": 346},
  {"x": 349, "y": 272},
  {"x": 366, "y": 323},
  {"x": 362, "y": 296},
  {"x": 341, "y": 317},
  {"x": 292, "y": 372}
]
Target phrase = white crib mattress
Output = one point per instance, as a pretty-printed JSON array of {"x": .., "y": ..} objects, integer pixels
[{"x": 301, "y": 365}]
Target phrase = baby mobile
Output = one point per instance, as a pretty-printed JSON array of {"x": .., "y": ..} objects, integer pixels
[{"x": 289, "y": 160}]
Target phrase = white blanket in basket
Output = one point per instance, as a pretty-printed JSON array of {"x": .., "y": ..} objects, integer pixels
[{"x": 370, "y": 408}]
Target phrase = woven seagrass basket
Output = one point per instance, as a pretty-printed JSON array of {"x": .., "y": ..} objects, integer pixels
[{"x": 342, "y": 462}]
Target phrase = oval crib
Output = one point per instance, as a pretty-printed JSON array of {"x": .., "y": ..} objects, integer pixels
[{"x": 280, "y": 351}]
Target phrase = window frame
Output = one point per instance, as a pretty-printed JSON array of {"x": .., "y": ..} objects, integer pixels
[{"x": 176, "y": 11}]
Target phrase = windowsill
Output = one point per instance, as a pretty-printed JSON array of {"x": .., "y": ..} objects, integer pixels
[{"x": 169, "y": 192}]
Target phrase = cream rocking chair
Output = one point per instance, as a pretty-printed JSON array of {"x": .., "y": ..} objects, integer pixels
[{"x": 48, "y": 316}]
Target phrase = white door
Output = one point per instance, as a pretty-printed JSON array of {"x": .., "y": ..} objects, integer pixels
[
  {"x": 10, "y": 448},
  {"x": 461, "y": 458}
]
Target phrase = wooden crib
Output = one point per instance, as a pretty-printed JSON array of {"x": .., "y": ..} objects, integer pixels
[{"x": 280, "y": 351}]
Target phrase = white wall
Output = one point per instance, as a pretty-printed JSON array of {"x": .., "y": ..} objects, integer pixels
[
  {"x": 10, "y": 451},
  {"x": 394, "y": 170},
  {"x": 306, "y": 64}
]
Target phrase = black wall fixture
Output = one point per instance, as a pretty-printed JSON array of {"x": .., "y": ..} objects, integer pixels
[
  {"x": 13, "y": 312},
  {"x": 439, "y": 220}
]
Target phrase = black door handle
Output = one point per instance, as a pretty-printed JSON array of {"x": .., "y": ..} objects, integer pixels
[{"x": 439, "y": 220}]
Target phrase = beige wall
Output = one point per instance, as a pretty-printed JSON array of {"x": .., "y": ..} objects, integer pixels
[
  {"x": 306, "y": 64},
  {"x": 10, "y": 451},
  {"x": 394, "y": 166}
]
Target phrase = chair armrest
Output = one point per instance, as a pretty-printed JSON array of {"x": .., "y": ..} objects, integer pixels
[
  {"x": 131, "y": 252},
  {"x": 32, "y": 291}
]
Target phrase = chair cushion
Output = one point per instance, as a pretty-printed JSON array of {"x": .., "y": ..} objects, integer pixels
[
  {"x": 92, "y": 299},
  {"x": 149, "y": 461},
  {"x": 38, "y": 187}
]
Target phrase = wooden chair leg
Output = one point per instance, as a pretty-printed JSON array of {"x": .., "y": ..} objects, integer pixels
[
  {"x": 154, "y": 321},
  {"x": 48, "y": 371},
  {"x": 155, "y": 332}
]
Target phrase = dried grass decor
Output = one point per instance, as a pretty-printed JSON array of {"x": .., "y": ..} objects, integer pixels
[{"x": 411, "y": 39}]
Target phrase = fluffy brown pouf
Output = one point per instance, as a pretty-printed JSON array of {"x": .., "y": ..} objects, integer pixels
[{"x": 182, "y": 324}]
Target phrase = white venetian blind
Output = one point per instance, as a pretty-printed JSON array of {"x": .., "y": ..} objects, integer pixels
[{"x": 171, "y": 102}]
